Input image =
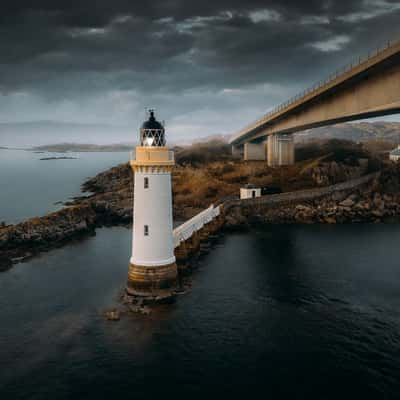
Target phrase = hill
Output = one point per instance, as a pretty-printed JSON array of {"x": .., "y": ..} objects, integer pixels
[
  {"x": 65, "y": 136},
  {"x": 358, "y": 132},
  {"x": 38, "y": 133}
]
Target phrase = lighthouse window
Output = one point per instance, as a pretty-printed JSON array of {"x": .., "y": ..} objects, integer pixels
[
  {"x": 146, "y": 230},
  {"x": 146, "y": 183}
]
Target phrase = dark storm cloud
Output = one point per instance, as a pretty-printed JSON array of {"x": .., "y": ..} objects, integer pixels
[{"x": 260, "y": 51}]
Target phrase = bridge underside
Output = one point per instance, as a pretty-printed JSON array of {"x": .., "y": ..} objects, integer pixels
[{"x": 370, "y": 92}]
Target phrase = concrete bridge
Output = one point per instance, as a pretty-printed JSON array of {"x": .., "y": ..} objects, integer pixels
[{"x": 367, "y": 88}]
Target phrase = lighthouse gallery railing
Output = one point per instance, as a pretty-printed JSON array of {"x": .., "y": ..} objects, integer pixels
[{"x": 154, "y": 156}]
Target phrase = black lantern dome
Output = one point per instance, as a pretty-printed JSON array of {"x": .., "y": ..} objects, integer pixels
[{"x": 152, "y": 133}]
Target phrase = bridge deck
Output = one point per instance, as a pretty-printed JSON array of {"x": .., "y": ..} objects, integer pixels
[{"x": 340, "y": 77}]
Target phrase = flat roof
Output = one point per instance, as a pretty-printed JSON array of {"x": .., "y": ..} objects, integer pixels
[{"x": 250, "y": 186}]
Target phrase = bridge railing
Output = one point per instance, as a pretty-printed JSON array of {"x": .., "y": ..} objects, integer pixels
[
  {"x": 312, "y": 89},
  {"x": 186, "y": 230}
]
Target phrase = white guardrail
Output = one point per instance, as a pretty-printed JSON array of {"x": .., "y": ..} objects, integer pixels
[{"x": 186, "y": 230}]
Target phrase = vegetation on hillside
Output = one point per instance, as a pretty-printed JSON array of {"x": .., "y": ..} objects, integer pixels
[
  {"x": 207, "y": 173},
  {"x": 202, "y": 153},
  {"x": 340, "y": 150}
]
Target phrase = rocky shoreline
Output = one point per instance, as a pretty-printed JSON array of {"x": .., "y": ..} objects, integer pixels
[
  {"x": 24, "y": 240},
  {"x": 361, "y": 206},
  {"x": 374, "y": 198},
  {"x": 112, "y": 197}
]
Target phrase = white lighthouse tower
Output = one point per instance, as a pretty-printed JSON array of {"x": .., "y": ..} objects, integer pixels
[{"x": 152, "y": 268}]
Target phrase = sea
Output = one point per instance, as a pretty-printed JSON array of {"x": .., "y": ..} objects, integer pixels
[
  {"x": 276, "y": 312},
  {"x": 32, "y": 187}
]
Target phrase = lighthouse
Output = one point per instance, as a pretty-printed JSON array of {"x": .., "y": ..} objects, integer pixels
[{"x": 152, "y": 269}]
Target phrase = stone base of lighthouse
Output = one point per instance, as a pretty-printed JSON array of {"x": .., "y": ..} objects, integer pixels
[{"x": 152, "y": 282}]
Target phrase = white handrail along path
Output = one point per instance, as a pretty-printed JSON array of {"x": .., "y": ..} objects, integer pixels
[{"x": 194, "y": 224}]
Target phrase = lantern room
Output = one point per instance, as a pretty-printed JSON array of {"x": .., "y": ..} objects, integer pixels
[{"x": 152, "y": 133}]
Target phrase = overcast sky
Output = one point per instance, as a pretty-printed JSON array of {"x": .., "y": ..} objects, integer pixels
[{"x": 207, "y": 67}]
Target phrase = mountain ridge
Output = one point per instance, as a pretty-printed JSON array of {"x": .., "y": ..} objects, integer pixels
[{"x": 32, "y": 134}]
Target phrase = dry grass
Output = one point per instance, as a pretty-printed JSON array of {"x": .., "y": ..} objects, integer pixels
[
  {"x": 340, "y": 149},
  {"x": 378, "y": 146},
  {"x": 198, "y": 187},
  {"x": 206, "y": 173},
  {"x": 201, "y": 153},
  {"x": 217, "y": 180}
]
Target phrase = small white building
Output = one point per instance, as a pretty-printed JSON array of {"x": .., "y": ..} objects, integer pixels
[
  {"x": 395, "y": 154},
  {"x": 249, "y": 191}
]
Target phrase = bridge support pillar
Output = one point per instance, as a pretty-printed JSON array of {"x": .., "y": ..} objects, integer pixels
[
  {"x": 237, "y": 151},
  {"x": 255, "y": 151},
  {"x": 280, "y": 150}
]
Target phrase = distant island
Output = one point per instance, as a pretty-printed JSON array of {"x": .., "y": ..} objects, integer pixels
[
  {"x": 38, "y": 133},
  {"x": 58, "y": 158},
  {"x": 82, "y": 148}
]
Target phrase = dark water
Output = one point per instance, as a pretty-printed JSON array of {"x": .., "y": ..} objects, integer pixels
[
  {"x": 29, "y": 187},
  {"x": 280, "y": 312}
]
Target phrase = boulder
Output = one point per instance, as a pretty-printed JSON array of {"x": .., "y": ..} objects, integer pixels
[
  {"x": 113, "y": 315},
  {"x": 347, "y": 202}
]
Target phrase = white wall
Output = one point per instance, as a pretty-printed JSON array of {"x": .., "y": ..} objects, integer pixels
[
  {"x": 152, "y": 207},
  {"x": 248, "y": 193}
]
